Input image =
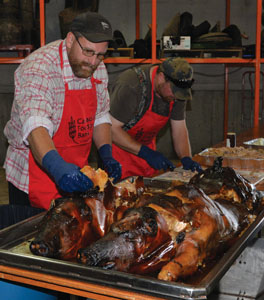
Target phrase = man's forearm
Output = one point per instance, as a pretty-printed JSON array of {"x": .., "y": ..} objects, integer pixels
[
  {"x": 102, "y": 135},
  {"x": 40, "y": 143},
  {"x": 183, "y": 149},
  {"x": 122, "y": 139},
  {"x": 180, "y": 137}
]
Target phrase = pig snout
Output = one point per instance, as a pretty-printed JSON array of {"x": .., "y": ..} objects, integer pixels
[
  {"x": 40, "y": 248},
  {"x": 106, "y": 253}
]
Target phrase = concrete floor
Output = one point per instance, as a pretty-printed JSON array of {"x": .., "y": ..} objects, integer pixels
[{"x": 3, "y": 187}]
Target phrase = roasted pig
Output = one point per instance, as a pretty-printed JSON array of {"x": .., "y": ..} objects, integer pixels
[
  {"x": 169, "y": 234},
  {"x": 75, "y": 222},
  {"x": 226, "y": 183},
  {"x": 71, "y": 223}
]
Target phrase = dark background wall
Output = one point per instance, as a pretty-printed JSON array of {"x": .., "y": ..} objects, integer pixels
[{"x": 205, "y": 119}]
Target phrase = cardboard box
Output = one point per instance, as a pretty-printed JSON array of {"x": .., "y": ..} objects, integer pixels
[{"x": 176, "y": 43}]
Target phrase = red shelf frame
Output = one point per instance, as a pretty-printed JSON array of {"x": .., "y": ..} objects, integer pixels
[
  {"x": 18, "y": 60},
  {"x": 227, "y": 62}
]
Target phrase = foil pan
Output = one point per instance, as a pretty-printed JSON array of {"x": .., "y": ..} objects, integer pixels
[
  {"x": 236, "y": 162},
  {"x": 168, "y": 179},
  {"x": 256, "y": 143},
  {"x": 14, "y": 252}
]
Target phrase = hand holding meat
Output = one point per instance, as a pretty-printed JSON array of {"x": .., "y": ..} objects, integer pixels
[
  {"x": 155, "y": 159},
  {"x": 67, "y": 176},
  {"x": 112, "y": 167},
  {"x": 189, "y": 164}
]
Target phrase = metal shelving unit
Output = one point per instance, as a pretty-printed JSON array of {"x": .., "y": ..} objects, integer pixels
[
  {"x": 227, "y": 62},
  {"x": 18, "y": 60}
]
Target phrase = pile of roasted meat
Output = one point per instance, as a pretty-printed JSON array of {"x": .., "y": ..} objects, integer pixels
[{"x": 133, "y": 228}]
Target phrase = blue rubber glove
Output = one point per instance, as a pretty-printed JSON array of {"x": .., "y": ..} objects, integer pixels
[
  {"x": 189, "y": 164},
  {"x": 111, "y": 166},
  {"x": 155, "y": 159},
  {"x": 67, "y": 176}
]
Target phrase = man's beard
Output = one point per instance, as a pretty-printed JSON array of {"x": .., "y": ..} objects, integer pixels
[
  {"x": 168, "y": 99},
  {"x": 82, "y": 70},
  {"x": 161, "y": 95}
]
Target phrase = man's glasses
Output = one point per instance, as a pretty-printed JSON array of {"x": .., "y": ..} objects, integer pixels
[{"x": 89, "y": 52}]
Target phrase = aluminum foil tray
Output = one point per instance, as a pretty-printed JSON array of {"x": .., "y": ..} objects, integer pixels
[
  {"x": 169, "y": 179},
  {"x": 14, "y": 252},
  {"x": 179, "y": 176},
  {"x": 205, "y": 158},
  {"x": 255, "y": 144}
]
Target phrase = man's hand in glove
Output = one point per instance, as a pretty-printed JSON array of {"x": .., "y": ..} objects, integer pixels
[
  {"x": 189, "y": 164},
  {"x": 111, "y": 166},
  {"x": 67, "y": 176},
  {"x": 155, "y": 159}
]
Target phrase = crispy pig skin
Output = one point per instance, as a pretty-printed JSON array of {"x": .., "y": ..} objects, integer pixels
[
  {"x": 134, "y": 229},
  {"x": 70, "y": 224},
  {"x": 225, "y": 182},
  {"x": 138, "y": 243},
  {"x": 75, "y": 222},
  {"x": 188, "y": 232}
]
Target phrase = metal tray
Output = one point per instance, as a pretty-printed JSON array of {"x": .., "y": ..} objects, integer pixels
[
  {"x": 170, "y": 179},
  {"x": 236, "y": 162},
  {"x": 166, "y": 179},
  {"x": 255, "y": 144},
  {"x": 19, "y": 234}
]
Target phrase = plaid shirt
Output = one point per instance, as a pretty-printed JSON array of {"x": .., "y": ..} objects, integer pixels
[{"x": 39, "y": 101}]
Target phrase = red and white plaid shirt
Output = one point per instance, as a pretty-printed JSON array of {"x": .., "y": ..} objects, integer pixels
[{"x": 39, "y": 101}]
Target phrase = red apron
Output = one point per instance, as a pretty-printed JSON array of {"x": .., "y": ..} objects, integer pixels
[
  {"x": 145, "y": 132},
  {"x": 72, "y": 140}
]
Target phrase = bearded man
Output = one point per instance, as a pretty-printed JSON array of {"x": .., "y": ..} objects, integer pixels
[{"x": 61, "y": 105}]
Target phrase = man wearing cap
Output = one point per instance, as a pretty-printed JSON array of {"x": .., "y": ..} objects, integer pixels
[
  {"x": 61, "y": 104},
  {"x": 143, "y": 100}
]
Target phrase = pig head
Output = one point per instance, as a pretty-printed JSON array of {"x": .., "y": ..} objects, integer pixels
[
  {"x": 72, "y": 223},
  {"x": 138, "y": 243}
]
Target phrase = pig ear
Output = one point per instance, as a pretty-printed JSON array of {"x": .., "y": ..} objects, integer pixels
[
  {"x": 56, "y": 202},
  {"x": 52, "y": 203}
]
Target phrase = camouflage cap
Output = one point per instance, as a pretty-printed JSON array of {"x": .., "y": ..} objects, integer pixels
[{"x": 180, "y": 74}]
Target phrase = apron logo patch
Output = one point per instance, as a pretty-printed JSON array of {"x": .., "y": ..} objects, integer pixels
[
  {"x": 80, "y": 129},
  {"x": 72, "y": 129},
  {"x": 139, "y": 134},
  {"x": 145, "y": 137}
]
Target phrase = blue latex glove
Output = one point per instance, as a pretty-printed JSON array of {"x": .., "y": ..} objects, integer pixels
[
  {"x": 111, "y": 166},
  {"x": 155, "y": 159},
  {"x": 189, "y": 164},
  {"x": 67, "y": 176}
]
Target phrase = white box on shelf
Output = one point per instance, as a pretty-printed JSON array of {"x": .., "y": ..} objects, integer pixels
[{"x": 176, "y": 43}]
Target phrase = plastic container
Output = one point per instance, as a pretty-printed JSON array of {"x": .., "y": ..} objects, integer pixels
[{"x": 11, "y": 291}]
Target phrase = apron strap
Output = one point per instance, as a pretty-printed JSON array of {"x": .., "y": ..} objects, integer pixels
[
  {"x": 95, "y": 81},
  {"x": 61, "y": 63},
  {"x": 143, "y": 84}
]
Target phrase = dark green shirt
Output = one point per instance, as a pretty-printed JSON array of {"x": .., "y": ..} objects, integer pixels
[{"x": 126, "y": 94}]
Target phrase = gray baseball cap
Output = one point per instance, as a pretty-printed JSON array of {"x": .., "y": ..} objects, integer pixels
[
  {"x": 93, "y": 26},
  {"x": 180, "y": 74}
]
